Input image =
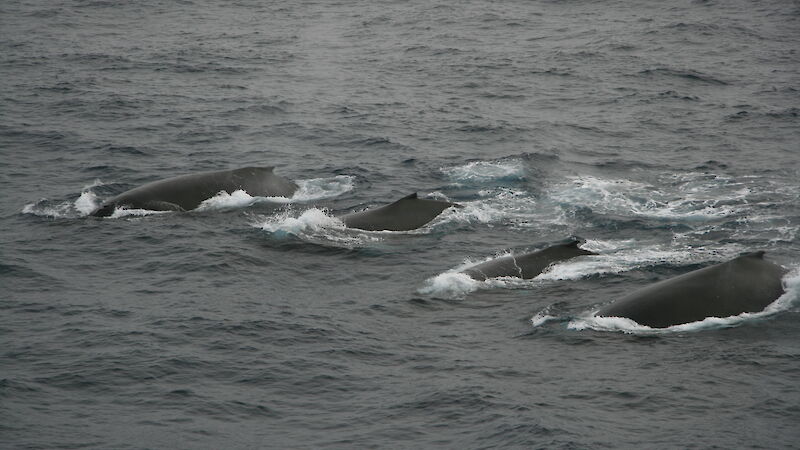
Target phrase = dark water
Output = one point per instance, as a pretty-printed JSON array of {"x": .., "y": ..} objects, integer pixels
[{"x": 665, "y": 133}]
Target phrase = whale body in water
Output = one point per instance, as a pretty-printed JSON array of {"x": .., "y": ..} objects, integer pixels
[
  {"x": 408, "y": 213},
  {"x": 186, "y": 192},
  {"x": 527, "y": 265},
  {"x": 745, "y": 284}
]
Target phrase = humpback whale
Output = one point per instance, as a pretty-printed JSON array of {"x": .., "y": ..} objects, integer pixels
[
  {"x": 745, "y": 284},
  {"x": 406, "y": 214},
  {"x": 527, "y": 265},
  {"x": 186, "y": 192}
]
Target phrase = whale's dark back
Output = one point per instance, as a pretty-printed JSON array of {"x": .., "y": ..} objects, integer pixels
[
  {"x": 408, "y": 213},
  {"x": 186, "y": 192},
  {"x": 527, "y": 265},
  {"x": 745, "y": 284}
]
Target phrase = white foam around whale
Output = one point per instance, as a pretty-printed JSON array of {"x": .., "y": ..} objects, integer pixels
[
  {"x": 614, "y": 256},
  {"x": 321, "y": 188},
  {"x": 134, "y": 212},
  {"x": 310, "y": 220},
  {"x": 317, "y": 226},
  {"x": 455, "y": 284},
  {"x": 617, "y": 256},
  {"x": 224, "y": 200},
  {"x": 87, "y": 202},
  {"x": 505, "y": 206},
  {"x": 308, "y": 190},
  {"x": 451, "y": 284},
  {"x": 589, "y": 321},
  {"x": 82, "y": 206},
  {"x": 486, "y": 171}
]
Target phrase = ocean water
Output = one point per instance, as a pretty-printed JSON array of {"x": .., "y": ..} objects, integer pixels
[{"x": 664, "y": 133}]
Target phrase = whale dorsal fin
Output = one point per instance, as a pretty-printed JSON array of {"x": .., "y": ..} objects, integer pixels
[
  {"x": 407, "y": 197},
  {"x": 573, "y": 242},
  {"x": 759, "y": 254}
]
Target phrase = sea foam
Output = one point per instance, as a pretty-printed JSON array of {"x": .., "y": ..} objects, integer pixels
[
  {"x": 308, "y": 190},
  {"x": 86, "y": 202},
  {"x": 486, "y": 171},
  {"x": 694, "y": 199},
  {"x": 789, "y": 299}
]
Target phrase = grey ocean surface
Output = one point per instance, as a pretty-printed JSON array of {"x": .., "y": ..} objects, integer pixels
[{"x": 666, "y": 134}]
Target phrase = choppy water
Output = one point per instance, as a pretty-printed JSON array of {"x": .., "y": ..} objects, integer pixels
[{"x": 665, "y": 133}]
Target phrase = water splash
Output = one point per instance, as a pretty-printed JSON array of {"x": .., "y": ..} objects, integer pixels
[
  {"x": 321, "y": 188},
  {"x": 692, "y": 197},
  {"x": 450, "y": 284},
  {"x": 456, "y": 284},
  {"x": 311, "y": 220},
  {"x": 224, "y": 200},
  {"x": 134, "y": 212},
  {"x": 86, "y": 202},
  {"x": 486, "y": 171},
  {"x": 315, "y": 226},
  {"x": 43, "y": 208},
  {"x": 785, "y": 302},
  {"x": 618, "y": 256},
  {"x": 308, "y": 190},
  {"x": 542, "y": 318},
  {"x": 503, "y": 206}
]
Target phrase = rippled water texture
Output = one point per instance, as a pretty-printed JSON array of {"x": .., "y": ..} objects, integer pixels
[{"x": 663, "y": 133}]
